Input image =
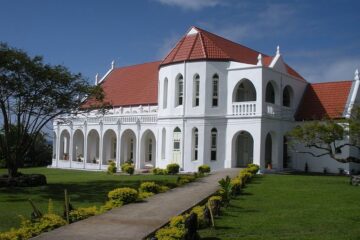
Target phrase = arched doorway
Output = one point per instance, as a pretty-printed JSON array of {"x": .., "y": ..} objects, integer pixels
[
  {"x": 93, "y": 147},
  {"x": 109, "y": 146},
  {"x": 54, "y": 146},
  {"x": 148, "y": 149},
  {"x": 286, "y": 157},
  {"x": 287, "y": 96},
  {"x": 268, "y": 150},
  {"x": 270, "y": 93},
  {"x": 128, "y": 146},
  {"x": 244, "y": 91},
  {"x": 243, "y": 145},
  {"x": 64, "y": 145},
  {"x": 78, "y": 146},
  {"x": 177, "y": 135}
]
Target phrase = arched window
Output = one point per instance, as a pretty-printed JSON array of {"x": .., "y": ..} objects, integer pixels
[
  {"x": 270, "y": 93},
  {"x": 132, "y": 149},
  {"x": 244, "y": 92},
  {"x": 213, "y": 144},
  {"x": 195, "y": 144},
  {"x": 165, "y": 93},
  {"x": 215, "y": 90},
  {"x": 287, "y": 96},
  {"x": 196, "y": 91},
  {"x": 163, "y": 143},
  {"x": 150, "y": 149},
  {"x": 179, "y": 91},
  {"x": 176, "y": 148}
]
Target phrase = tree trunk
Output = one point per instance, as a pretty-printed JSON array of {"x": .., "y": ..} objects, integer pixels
[{"x": 12, "y": 168}]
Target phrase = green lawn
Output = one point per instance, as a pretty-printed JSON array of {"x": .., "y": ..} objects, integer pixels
[
  {"x": 291, "y": 207},
  {"x": 85, "y": 189}
]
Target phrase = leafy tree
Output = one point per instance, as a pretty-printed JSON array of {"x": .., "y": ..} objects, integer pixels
[
  {"x": 329, "y": 136},
  {"x": 32, "y": 94}
]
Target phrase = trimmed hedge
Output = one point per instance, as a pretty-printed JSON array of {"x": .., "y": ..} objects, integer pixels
[
  {"x": 204, "y": 169},
  {"x": 150, "y": 187},
  {"x": 125, "y": 195},
  {"x": 159, "y": 171},
  {"x": 112, "y": 168},
  {"x": 173, "y": 168},
  {"x": 82, "y": 213},
  {"x": 128, "y": 168}
]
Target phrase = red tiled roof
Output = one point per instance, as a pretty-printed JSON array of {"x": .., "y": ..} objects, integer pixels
[
  {"x": 208, "y": 46},
  {"x": 324, "y": 100},
  {"x": 132, "y": 85}
]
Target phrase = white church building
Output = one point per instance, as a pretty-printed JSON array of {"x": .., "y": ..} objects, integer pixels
[{"x": 209, "y": 101}]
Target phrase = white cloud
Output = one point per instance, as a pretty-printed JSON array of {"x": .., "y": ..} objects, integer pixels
[
  {"x": 339, "y": 69},
  {"x": 166, "y": 45},
  {"x": 191, "y": 4}
]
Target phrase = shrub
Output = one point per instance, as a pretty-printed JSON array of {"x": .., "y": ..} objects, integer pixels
[
  {"x": 82, "y": 213},
  {"x": 204, "y": 169},
  {"x": 150, "y": 187},
  {"x": 164, "y": 189},
  {"x": 183, "y": 179},
  {"x": 173, "y": 168},
  {"x": 178, "y": 221},
  {"x": 226, "y": 188},
  {"x": 110, "y": 205},
  {"x": 111, "y": 168},
  {"x": 159, "y": 171},
  {"x": 144, "y": 195},
  {"x": 236, "y": 185},
  {"x": 125, "y": 195},
  {"x": 128, "y": 168},
  {"x": 245, "y": 175},
  {"x": 170, "y": 233},
  {"x": 214, "y": 203},
  {"x": 253, "y": 168},
  {"x": 200, "y": 213}
]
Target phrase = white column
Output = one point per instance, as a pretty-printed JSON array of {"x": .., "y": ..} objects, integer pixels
[
  {"x": 101, "y": 142},
  {"x": 118, "y": 146},
  {"x": 85, "y": 144},
  {"x": 71, "y": 143}
]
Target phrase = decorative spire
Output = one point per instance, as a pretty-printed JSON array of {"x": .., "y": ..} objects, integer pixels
[
  {"x": 97, "y": 79},
  {"x": 357, "y": 78},
  {"x": 260, "y": 62},
  {"x": 278, "y": 50},
  {"x": 112, "y": 64}
]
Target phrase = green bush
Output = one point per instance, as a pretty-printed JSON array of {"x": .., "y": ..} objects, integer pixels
[
  {"x": 253, "y": 168},
  {"x": 31, "y": 229},
  {"x": 245, "y": 175},
  {"x": 215, "y": 203},
  {"x": 144, "y": 195},
  {"x": 173, "y": 168},
  {"x": 110, "y": 205},
  {"x": 178, "y": 221},
  {"x": 204, "y": 169},
  {"x": 128, "y": 168},
  {"x": 125, "y": 195},
  {"x": 236, "y": 185},
  {"x": 159, "y": 171},
  {"x": 82, "y": 213},
  {"x": 200, "y": 213},
  {"x": 170, "y": 233},
  {"x": 183, "y": 179},
  {"x": 150, "y": 187},
  {"x": 112, "y": 168}
]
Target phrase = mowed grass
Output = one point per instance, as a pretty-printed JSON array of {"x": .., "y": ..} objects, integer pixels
[
  {"x": 291, "y": 207},
  {"x": 84, "y": 188}
]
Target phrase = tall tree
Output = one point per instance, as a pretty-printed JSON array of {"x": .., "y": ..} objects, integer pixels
[
  {"x": 329, "y": 137},
  {"x": 32, "y": 94}
]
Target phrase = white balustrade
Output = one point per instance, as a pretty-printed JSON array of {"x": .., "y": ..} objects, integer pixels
[{"x": 244, "y": 108}]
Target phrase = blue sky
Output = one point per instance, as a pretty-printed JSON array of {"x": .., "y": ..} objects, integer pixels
[{"x": 320, "y": 39}]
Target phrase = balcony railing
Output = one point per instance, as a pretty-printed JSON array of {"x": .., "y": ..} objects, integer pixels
[
  {"x": 244, "y": 109},
  {"x": 250, "y": 109}
]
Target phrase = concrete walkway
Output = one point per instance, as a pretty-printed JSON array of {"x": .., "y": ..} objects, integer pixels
[{"x": 138, "y": 220}]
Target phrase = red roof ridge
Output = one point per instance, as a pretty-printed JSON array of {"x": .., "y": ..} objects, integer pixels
[
  {"x": 336, "y": 81},
  {"x": 202, "y": 30},
  {"x": 203, "y": 45}
]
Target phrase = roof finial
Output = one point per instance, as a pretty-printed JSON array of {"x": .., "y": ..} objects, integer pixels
[
  {"x": 96, "y": 78},
  {"x": 357, "y": 78},
  {"x": 112, "y": 64},
  {"x": 260, "y": 62},
  {"x": 278, "y": 50}
]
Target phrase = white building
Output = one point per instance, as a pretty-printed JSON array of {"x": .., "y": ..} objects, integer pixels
[{"x": 210, "y": 101}]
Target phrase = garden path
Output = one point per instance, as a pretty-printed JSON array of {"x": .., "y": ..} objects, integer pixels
[{"x": 138, "y": 220}]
